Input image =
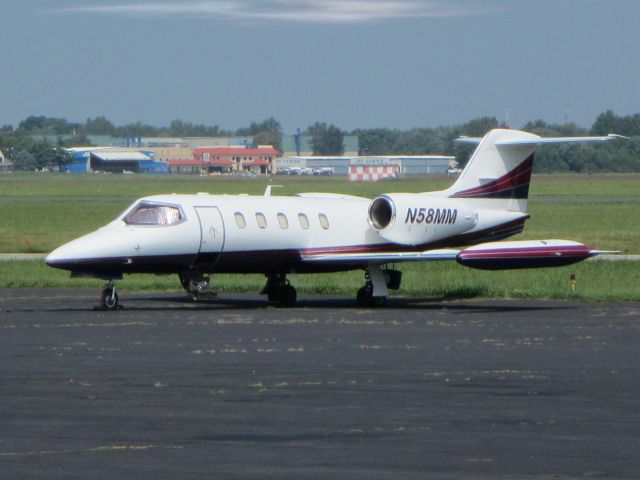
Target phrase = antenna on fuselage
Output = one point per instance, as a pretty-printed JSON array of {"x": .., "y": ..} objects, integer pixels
[{"x": 267, "y": 191}]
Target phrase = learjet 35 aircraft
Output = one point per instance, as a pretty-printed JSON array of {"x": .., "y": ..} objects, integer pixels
[{"x": 199, "y": 235}]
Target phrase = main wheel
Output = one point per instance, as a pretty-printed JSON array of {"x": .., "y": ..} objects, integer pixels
[
  {"x": 109, "y": 298},
  {"x": 287, "y": 296},
  {"x": 366, "y": 299}
]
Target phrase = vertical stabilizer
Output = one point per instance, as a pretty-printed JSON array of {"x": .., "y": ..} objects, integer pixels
[{"x": 499, "y": 171}]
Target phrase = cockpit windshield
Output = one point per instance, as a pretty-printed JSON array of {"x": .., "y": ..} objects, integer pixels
[{"x": 152, "y": 214}]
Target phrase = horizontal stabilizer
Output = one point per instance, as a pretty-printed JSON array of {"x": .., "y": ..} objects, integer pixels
[{"x": 541, "y": 140}]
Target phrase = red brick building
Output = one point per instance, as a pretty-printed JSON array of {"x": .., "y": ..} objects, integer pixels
[{"x": 227, "y": 160}]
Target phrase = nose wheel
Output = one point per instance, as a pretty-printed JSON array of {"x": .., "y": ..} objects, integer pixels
[{"x": 109, "y": 297}]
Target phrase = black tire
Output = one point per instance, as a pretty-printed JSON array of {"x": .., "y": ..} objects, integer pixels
[
  {"x": 366, "y": 299},
  {"x": 287, "y": 296},
  {"x": 109, "y": 299}
]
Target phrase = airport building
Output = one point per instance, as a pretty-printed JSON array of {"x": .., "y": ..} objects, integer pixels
[
  {"x": 114, "y": 160},
  {"x": 370, "y": 167},
  {"x": 216, "y": 155},
  {"x": 227, "y": 160}
]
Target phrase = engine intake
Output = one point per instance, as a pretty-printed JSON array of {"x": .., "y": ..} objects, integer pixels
[
  {"x": 416, "y": 219},
  {"x": 381, "y": 213}
]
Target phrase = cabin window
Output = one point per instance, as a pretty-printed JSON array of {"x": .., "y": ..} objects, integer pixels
[
  {"x": 240, "y": 221},
  {"x": 282, "y": 220},
  {"x": 150, "y": 214},
  {"x": 261, "y": 220},
  {"x": 304, "y": 221},
  {"x": 324, "y": 221}
]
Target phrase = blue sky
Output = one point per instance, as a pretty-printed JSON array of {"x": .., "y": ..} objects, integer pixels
[{"x": 354, "y": 63}]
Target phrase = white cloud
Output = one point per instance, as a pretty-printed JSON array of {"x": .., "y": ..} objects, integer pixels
[{"x": 285, "y": 11}]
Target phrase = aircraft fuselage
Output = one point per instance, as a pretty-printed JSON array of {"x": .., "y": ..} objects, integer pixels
[{"x": 253, "y": 234}]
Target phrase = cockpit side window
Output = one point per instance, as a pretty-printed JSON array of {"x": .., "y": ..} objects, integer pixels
[{"x": 150, "y": 214}]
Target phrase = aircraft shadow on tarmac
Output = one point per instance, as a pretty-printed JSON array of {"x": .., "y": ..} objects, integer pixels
[
  {"x": 79, "y": 300},
  {"x": 235, "y": 302}
]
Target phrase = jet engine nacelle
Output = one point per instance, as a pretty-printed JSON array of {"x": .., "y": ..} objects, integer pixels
[{"x": 415, "y": 219}]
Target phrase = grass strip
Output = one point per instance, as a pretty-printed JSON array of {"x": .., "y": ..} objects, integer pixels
[{"x": 597, "y": 281}]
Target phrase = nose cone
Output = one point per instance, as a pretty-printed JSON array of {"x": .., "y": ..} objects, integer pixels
[{"x": 64, "y": 257}]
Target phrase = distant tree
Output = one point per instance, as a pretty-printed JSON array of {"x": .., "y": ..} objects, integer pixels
[
  {"x": 49, "y": 156},
  {"x": 479, "y": 126},
  {"x": 178, "y": 128},
  {"x": 47, "y": 126},
  {"x": 544, "y": 129},
  {"x": 24, "y": 160},
  {"x": 326, "y": 139},
  {"x": 32, "y": 124},
  {"x": 609, "y": 122},
  {"x": 137, "y": 129},
  {"x": 23, "y": 147},
  {"x": 376, "y": 141},
  {"x": 267, "y": 132},
  {"x": 79, "y": 140},
  {"x": 98, "y": 126}
]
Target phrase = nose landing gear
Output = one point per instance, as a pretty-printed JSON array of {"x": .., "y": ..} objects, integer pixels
[{"x": 109, "y": 297}]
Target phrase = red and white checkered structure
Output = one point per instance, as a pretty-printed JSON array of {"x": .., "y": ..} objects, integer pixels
[{"x": 372, "y": 173}]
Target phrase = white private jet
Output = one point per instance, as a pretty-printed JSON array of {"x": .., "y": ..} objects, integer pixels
[{"x": 199, "y": 235}]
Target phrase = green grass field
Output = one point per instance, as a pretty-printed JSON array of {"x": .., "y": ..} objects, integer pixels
[{"x": 40, "y": 212}]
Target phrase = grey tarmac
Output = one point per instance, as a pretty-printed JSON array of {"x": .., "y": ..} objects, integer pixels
[{"x": 165, "y": 388}]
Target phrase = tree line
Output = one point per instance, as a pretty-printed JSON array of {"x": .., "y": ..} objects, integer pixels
[{"x": 27, "y": 145}]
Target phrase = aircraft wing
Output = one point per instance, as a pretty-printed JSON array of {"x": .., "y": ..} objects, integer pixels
[
  {"x": 486, "y": 256},
  {"x": 381, "y": 257}
]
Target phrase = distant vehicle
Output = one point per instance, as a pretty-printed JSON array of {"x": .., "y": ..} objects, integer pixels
[
  {"x": 323, "y": 171},
  {"x": 195, "y": 236},
  {"x": 454, "y": 170}
]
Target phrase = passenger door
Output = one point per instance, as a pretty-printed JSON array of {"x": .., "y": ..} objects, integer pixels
[{"x": 211, "y": 235}]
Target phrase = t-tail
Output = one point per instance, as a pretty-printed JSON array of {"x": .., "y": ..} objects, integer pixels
[{"x": 498, "y": 173}]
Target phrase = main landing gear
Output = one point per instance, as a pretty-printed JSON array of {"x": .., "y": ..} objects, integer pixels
[
  {"x": 109, "y": 297},
  {"x": 377, "y": 284},
  {"x": 279, "y": 291}
]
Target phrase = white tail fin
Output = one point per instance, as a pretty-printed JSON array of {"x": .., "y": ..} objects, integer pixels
[
  {"x": 499, "y": 170},
  {"x": 498, "y": 173}
]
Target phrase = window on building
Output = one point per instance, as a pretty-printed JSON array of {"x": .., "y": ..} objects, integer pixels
[
  {"x": 151, "y": 214},
  {"x": 282, "y": 220},
  {"x": 304, "y": 221},
  {"x": 261, "y": 220},
  {"x": 240, "y": 221},
  {"x": 324, "y": 221}
]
